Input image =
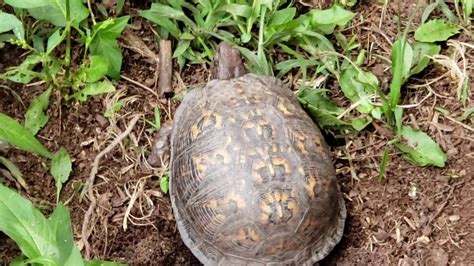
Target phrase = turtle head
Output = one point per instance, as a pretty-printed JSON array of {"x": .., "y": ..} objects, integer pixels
[{"x": 227, "y": 63}]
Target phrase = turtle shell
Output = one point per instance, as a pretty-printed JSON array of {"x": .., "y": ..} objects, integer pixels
[{"x": 252, "y": 181}]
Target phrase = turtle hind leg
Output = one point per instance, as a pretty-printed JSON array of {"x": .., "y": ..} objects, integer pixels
[{"x": 160, "y": 151}]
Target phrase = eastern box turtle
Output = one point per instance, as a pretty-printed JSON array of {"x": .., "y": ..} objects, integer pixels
[{"x": 251, "y": 179}]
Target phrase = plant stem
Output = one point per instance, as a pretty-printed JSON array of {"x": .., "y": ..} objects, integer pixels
[{"x": 67, "y": 59}]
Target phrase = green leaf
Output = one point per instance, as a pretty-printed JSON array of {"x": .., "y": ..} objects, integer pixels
[
  {"x": 97, "y": 68},
  {"x": 55, "y": 12},
  {"x": 321, "y": 109},
  {"x": 27, "y": 3},
  {"x": 54, "y": 40},
  {"x": 60, "y": 223},
  {"x": 26, "y": 225},
  {"x": 164, "y": 184},
  {"x": 17, "y": 135},
  {"x": 422, "y": 54},
  {"x": 61, "y": 167},
  {"x": 163, "y": 22},
  {"x": 359, "y": 88},
  {"x": 35, "y": 118},
  {"x": 436, "y": 30},
  {"x": 406, "y": 61},
  {"x": 282, "y": 16},
  {"x": 13, "y": 169},
  {"x": 105, "y": 44},
  {"x": 361, "y": 122},
  {"x": 93, "y": 89},
  {"x": 181, "y": 48},
  {"x": 326, "y": 20},
  {"x": 9, "y": 22},
  {"x": 420, "y": 148},
  {"x": 237, "y": 10}
]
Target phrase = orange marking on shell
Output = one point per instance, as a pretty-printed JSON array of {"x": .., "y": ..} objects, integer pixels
[
  {"x": 284, "y": 197},
  {"x": 283, "y": 162},
  {"x": 283, "y": 108},
  {"x": 253, "y": 235},
  {"x": 292, "y": 205},
  {"x": 241, "y": 235},
  {"x": 257, "y": 177},
  {"x": 198, "y": 162},
  {"x": 301, "y": 147},
  {"x": 222, "y": 152},
  {"x": 263, "y": 218},
  {"x": 310, "y": 184},
  {"x": 237, "y": 199},
  {"x": 218, "y": 120},
  {"x": 270, "y": 198}
]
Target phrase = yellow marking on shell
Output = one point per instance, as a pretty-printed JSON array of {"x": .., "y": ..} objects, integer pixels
[
  {"x": 274, "y": 148},
  {"x": 218, "y": 120},
  {"x": 292, "y": 205},
  {"x": 271, "y": 169},
  {"x": 302, "y": 148},
  {"x": 253, "y": 235},
  {"x": 212, "y": 204},
  {"x": 283, "y": 109},
  {"x": 277, "y": 195},
  {"x": 259, "y": 130},
  {"x": 284, "y": 197},
  {"x": 246, "y": 99},
  {"x": 283, "y": 162},
  {"x": 219, "y": 217},
  {"x": 198, "y": 162},
  {"x": 259, "y": 111},
  {"x": 279, "y": 210},
  {"x": 195, "y": 131},
  {"x": 241, "y": 235},
  {"x": 265, "y": 207},
  {"x": 248, "y": 125},
  {"x": 270, "y": 198},
  {"x": 240, "y": 90},
  {"x": 299, "y": 135},
  {"x": 257, "y": 177},
  {"x": 257, "y": 98},
  {"x": 301, "y": 171},
  {"x": 311, "y": 183},
  {"x": 243, "y": 159},
  {"x": 263, "y": 218}
]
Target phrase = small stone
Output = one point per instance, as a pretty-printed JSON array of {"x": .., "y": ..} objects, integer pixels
[
  {"x": 423, "y": 239},
  {"x": 149, "y": 82},
  {"x": 454, "y": 218},
  {"x": 103, "y": 122}
]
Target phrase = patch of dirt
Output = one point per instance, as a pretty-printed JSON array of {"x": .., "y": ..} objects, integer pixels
[{"x": 415, "y": 216}]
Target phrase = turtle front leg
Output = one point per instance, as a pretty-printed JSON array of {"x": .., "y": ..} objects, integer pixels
[{"x": 160, "y": 151}]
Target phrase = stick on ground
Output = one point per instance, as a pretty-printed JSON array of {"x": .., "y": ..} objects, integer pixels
[{"x": 166, "y": 70}]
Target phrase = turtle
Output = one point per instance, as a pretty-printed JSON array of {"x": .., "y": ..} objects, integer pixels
[{"x": 251, "y": 177}]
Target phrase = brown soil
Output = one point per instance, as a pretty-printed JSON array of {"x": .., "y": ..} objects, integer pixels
[{"x": 415, "y": 216}]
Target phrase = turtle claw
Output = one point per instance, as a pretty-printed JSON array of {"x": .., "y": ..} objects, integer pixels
[{"x": 160, "y": 151}]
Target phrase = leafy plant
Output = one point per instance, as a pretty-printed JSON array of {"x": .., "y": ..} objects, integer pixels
[
  {"x": 43, "y": 241},
  {"x": 101, "y": 57}
]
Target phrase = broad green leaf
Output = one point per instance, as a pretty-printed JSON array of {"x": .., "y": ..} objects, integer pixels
[
  {"x": 105, "y": 44},
  {"x": 422, "y": 54},
  {"x": 9, "y": 22},
  {"x": 35, "y": 118},
  {"x": 361, "y": 122},
  {"x": 156, "y": 112},
  {"x": 61, "y": 167},
  {"x": 23, "y": 73},
  {"x": 13, "y": 169},
  {"x": 55, "y": 12},
  {"x": 436, "y": 30},
  {"x": 27, "y": 3},
  {"x": 420, "y": 148},
  {"x": 163, "y": 22},
  {"x": 164, "y": 184},
  {"x": 326, "y": 20},
  {"x": 26, "y": 225},
  {"x": 321, "y": 109},
  {"x": 237, "y": 10},
  {"x": 282, "y": 16},
  {"x": 17, "y": 135},
  {"x": 97, "y": 68},
  {"x": 94, "y": 89},
  {"x": 359, "y": 88},
  {"x": 54, "y": 40}
]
